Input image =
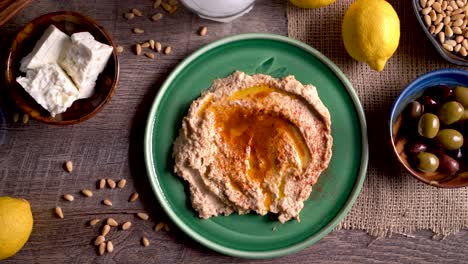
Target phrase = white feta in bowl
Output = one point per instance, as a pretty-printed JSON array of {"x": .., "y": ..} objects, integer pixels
[{"x": 84, "y": 60}]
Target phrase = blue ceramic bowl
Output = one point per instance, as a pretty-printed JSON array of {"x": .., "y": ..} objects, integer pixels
[{"x": 450, "y": 77}]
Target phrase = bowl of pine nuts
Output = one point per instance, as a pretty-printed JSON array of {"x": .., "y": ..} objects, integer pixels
[{"x": 445, "y": 24}]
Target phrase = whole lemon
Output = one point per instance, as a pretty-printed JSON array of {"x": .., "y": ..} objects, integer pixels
[
  {"x": 311, "y": 3},
  {"x": 16, "y": 222},
  {"x": 371, "y": 32}
]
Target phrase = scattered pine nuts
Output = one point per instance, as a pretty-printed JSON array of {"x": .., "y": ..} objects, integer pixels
[
  {"x": 99, "y": 240},
  {"x": 137, "y": 12},
  {"x": 166, "y": 227},
  {"x": 129, "y": 16},
  {"x": 15, "y": 117},
  {"x": 68, "y": 165},
  {"x": 87, "y": 193},
  {"x": 59, "y": 212},
  {"x": 157, "y": 16},
  {"x": 149, "y": 55},
  {"x": 168, "y": 50},
  {"x": 138, "y": 31},
  {"x": 121, "y": 184},
  {"x": 111, "y": 183},
  {"x": 102, "y": 184},
  {"x": 145, "y": 45},
  {"x": 119, "y": 49},
  {"x": 145, "y": 241},
  {"x": 110, "y": 246},
  {"x": 133, "y": 197},
  {"x": 102, "y": 249},
  {"x": 25, "y": 119},
  {"x": 126, "y": 225},
  {"x": 158, "y": 46},
  {"x": 143, "y": 216},
  {"x": 137, "y": 49},
  {"x": 159, "y": 226},
  {"x": 68, "y": 197},
  {"x": 105, "y": 230},
  {"x": 173, "y": 9},
  {"x": 112, "y": 222},
  {"x": 152, "y": 43},
  {"x": 203, "y": 30},
  {"x": 107, "y": 202},
  {"x": 157, "y": 3},
  {"x": 94, "y": 222}
]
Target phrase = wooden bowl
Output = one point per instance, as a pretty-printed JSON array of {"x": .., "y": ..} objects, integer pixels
[
  {"x": 23, "y": 44},
  {"x": 450, "y": 77}
]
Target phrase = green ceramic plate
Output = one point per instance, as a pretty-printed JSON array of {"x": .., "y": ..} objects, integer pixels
[{"x": 254, "y": 236}]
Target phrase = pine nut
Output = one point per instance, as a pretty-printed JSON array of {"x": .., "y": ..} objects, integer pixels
[
  {"x": 448, "y": 32},
  {"x": 463, "y": 52},
  {"x": 129, "y": 16},
  {"x": 107, "y": 202},
  {"x": 437, "y": 7},
  {"x": 432, "y": 15},
  {"x": 166, "y": 227},
  {"x": 168, "y": 50},
  {"x": 105, "y": 230},
  {"x": 465, "y": 44},
  {"x": 119, "y": 49},
  {"x": 157, "y": 16},
  {"x": 457, "y": 48},
  {"x": 451, "y": 42},
  {"x": 68, "y": 166},
  {"x": 111, "y": 183},
  {"x": 143, "y": 216},
  {"x": 87, "y": 193},
  {"x": 423, "y": 3},
  {"x": 145, "y": 45},
  {"x": 137, "y": 49},
  {"x": 138, "y": 31},
  {"x": 149, "y": 55},
  {"x": 112, "y": 222},
  {"x": 430, "y": 2},
  {"x": 110, "y": 246},
  {"x": 101, "y": 184},
  {"x": 447, "y": 47},
  {"x": 68, "y": 197},
  {"x": 459, "y": 39},
  {"x": 152, "y": 43},
  {"x": 126, "y": 225},
  {"x": 438, "y": 28},
  {"x": 457, "y": 30},
  {"x": 102, "y": 249},
  {"x": 457, "y": 23},
  {"x": 447, "y": 20},
  {"x": 158, "y": 46},
  {"x": 94, "y": 222},
  {"x": 99, "y": 240},
  {"x": 156, "y": 3},
  {"x": 441, "y": 37},
  {"x": 59, "y": 212},
  {"x": 145, "y": 241},
  {"x": 15, "y": 117},
  {"x": 121, "y": 184},
  {"x": 439, "y": 19},
  {"x": 427, "y": 20},
  {"x": 203, "y": 31},
  {"x": 137, "y": 12},
  {"x": 159, "y": 226},
  {"x": 133, "y": 197}
]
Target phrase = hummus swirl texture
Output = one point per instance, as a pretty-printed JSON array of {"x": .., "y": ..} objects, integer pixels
[{"x": 253, "y": 143}]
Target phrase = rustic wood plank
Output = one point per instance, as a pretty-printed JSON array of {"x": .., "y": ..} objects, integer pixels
[{"x": 110, "y": 146}]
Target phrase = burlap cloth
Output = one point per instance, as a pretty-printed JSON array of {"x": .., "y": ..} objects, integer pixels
[{"x": 391, "y": 200}]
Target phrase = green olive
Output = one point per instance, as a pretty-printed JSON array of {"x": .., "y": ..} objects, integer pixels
[
  {"x": 427, "y": 162},
  {"x": 428, "y": 125},
  {"x": 450, "y": 112},
  {"x": 450, "y": 139},
  {"x": 461, "y": 95}
]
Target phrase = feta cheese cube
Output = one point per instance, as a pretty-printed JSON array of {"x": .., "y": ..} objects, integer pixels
[
  {"x": 50, "y": 86},
  {"x": 47, "y": 50},
  {"x": 84, "y": 60}
]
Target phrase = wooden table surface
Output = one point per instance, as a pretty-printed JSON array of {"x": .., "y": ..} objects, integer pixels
[{"x": 111, "y": 146}]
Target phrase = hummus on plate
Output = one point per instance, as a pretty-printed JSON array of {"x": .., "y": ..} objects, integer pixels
[{"x": 253, "y": 143}]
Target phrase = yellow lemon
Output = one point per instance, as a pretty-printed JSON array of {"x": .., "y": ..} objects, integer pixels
[
  {"x": 311, "y": 3},
  {"x": 16, "y": 222},
  {"x": 371, "y": 32}
]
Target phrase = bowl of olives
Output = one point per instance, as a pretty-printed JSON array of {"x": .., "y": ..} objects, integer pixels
[{"x": 429, "y": 128}]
